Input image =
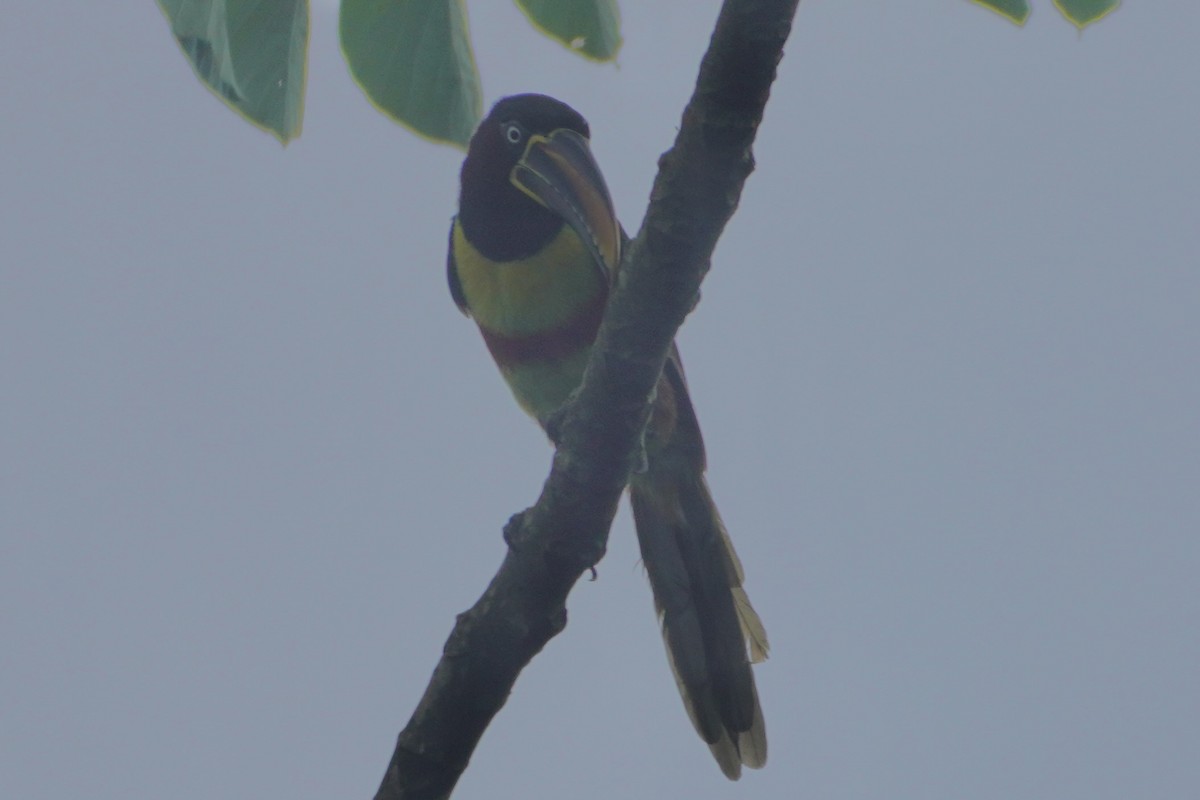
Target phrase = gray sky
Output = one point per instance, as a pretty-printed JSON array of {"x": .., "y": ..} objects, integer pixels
[{"x": 253, "y": 461}]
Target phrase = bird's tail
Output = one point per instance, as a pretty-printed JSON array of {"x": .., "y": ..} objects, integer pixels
[{"x": 711, "y": 631}]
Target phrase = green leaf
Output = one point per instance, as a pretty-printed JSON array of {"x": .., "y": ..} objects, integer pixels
[
  {"x": 250, "y": 53},
  {"x": 1015, "y": 10},
  {"x": 1084, "y": 12},
  {"x": 413, "y": 60},
  {"x": 589, "y": 27}
]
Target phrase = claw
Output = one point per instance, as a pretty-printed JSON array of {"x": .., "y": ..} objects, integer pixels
[{"x": 552, "y": 423}]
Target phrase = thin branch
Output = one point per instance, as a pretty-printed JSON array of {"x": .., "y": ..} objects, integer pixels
[{"x": 551, "y": 544}]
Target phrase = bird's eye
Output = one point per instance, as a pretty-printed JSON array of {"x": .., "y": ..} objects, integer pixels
[{"x": 512, "y": 132}]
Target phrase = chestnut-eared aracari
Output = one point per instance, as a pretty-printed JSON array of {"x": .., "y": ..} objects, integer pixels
[{"x": 533, "y": 253}]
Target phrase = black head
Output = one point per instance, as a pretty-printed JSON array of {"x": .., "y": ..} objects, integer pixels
[{"x": 499, "y": 219}]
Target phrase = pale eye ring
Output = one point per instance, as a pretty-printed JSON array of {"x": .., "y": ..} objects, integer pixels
[{"x": 512, "y": 132}]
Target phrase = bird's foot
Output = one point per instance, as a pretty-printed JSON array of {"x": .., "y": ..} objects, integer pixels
[{"x": 552, "y": 423}]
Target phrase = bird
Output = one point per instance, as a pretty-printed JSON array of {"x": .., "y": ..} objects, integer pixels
[{"x": 533, "y": 254}]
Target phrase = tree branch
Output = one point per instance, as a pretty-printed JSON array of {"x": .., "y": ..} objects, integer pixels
[{"x": 551, "y": 544}]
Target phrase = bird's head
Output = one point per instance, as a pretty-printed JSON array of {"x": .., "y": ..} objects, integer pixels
[{"x": 529, "y": 169}]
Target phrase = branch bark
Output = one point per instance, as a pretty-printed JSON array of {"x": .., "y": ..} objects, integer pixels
[{"x": 551, "y": 544}]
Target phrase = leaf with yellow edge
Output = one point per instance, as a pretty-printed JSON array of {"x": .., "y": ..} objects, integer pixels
[
  {"x": 1014, "y": 10},
  {"x": 591, "y": 28},
  {"x": 413, "y": 60},
  {"x": 1085, "y": 12},
  {"x": 250, "y": 53}
]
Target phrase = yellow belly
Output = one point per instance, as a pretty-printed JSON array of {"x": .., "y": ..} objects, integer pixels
[
  {"x": 527, "y": 297},
  {"x": 532, "y": 294}
]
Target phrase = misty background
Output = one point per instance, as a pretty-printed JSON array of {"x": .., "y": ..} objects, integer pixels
[{"x": 253, "y": 461}]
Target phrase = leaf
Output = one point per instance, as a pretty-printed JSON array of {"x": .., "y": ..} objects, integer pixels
[
  {"x": 414, "y": 62},
  {"x": 1085, "y": 12},
  {"x": 250, "y": 53},
  {"x": 1015, "y": 10},
  {"x": 591, "y": 28}
]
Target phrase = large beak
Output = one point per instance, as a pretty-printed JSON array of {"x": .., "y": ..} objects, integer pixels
[{"x": 559, "y": 172}]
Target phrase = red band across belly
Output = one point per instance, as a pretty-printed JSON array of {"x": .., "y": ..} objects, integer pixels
[{"x": 554, "y": 344}]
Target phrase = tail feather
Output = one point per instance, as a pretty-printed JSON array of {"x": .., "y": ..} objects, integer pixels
[
  {"x": 752, "y": 627},
  {"x": 708, "y": 623}
]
